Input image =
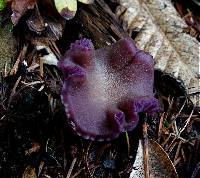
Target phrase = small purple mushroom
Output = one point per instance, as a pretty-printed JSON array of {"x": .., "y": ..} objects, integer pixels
[{"x": 105, "y": 89}]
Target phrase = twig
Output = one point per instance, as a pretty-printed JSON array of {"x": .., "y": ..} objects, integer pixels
[
  {"x": 146, "y": 151},
  {"x": 33, "y": 67},
  {"x": 195, "y": 172},
  {"x": 47, "y": 176},
  {"x": 163, "y": 144},
  {"x": 183, "y": 155},
  {"x": 177, "y": 151},
  {"x": 86, "y": 162},
  {"x": 14, "y": 90},
  {"x": 175, "y": 128},
  {"x": 19, "y": 59},
  {"x": 177, "y": 161},
  {"x": 188, "y": 120},
  {"x": 32, "y": 83},
  {"x": 41, "y": 166},
  {"x": 76, "y": 174},
  {"x": 71, "y": 168},
  {"x": 41, "y": 88},
  {"x": 128, "y": 144},
  {"x": 174, "y": 117},
  {"x": 172, "y": 144},
  {"x": 160, "y": 127},
  {"x": 41, "y": 68},
  {"x": 5, "y": 69},
  {"x": 2, "y": 117}
]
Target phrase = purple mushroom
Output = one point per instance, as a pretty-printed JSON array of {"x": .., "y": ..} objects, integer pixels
[{"x": 105, "y": 89}]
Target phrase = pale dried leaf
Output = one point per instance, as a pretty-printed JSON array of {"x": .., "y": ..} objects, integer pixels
[
  {"x": 29, "y": 172},
  {"x": 86, "y": 1},
  {"x": 161, "y": 33},
  {"x": 159, "y": 163}
]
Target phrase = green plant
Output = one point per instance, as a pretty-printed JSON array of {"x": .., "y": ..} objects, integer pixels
[
  {"x": 2, "y": 4},
  {"x": 68, "y": 8}
]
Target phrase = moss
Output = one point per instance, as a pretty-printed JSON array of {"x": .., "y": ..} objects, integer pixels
[{"x": 7, "y": 46}]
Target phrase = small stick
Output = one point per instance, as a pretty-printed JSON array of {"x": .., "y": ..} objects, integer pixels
[
  {"x": 128, "y": 144},
  {"x": 177, "y": 151},
  {"x": 187, "y": 122},
  {"x": 19, "y": 59},
  {"x": 41, "y": 88},
  {"x": 32, "y": 83},
  {"x": 86, "y": 159},
  {"x": 40, "y": 168},
  {"x": 160, "y": 127},
  {"x": 174, "y": 117},
  {"x": 175, "y": 128},
  {"x": 146, "y": 150},
  {"x": 76, "y": 174},
  {"x": 41, "y": 68},
  {"x": 167, "y": 139},
  {"x": 14, "y": 90},
  {"x": 33, "y": 67},
  {"x": 5, "y": 69},
  {"x": 172, "y": 145},
  {"x": 183, "y": 155},
  {"x": 71, "y": 168},
  {"x": 177, "y": 161}
]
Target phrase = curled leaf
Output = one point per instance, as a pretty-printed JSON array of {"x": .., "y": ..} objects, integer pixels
[
  {"x": 160, "y": 164},
  {"x": 29, "y": 172},
  {"x": 66, "y": 8}
]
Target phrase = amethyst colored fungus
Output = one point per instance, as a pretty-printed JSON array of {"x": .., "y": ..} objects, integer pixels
[{"x": 105, "y": 89}]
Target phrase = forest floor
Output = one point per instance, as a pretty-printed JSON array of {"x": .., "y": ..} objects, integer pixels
[{"x": 35, "y": 140}]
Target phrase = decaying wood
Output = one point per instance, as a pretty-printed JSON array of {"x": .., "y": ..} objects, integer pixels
[{"x": 96, "y": 22}]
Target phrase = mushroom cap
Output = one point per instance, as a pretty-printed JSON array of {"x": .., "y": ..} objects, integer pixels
[{"x": 105, "y": 89}]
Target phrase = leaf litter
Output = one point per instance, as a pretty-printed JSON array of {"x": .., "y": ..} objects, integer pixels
[
  {"x": 161, "y": 32},
  {"x": 37, "y": 143}
]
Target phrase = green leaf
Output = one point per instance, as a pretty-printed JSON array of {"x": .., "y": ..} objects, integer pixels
[
  {"x": 66, "y": 8},
  {"x": 166, "y": 124},
  {"x": 2, "y": 4}
]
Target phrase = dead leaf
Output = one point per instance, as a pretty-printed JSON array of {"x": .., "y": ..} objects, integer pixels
[
  {"x": 35, "y": 148},
  {"x": 159, "y": 163},
  {"x": 35, "y": 22},
  {"x": 19, "y": 8},
  {"x": 161, "y": 33},
  {"x": 29, "y": 172}
]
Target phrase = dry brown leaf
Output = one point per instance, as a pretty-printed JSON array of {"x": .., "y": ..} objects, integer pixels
[
  {"x": 161, "y": 33},
  {"x": 159, "y": 163},
  {"x": 29, "y": 172},
  {"x": 35, "y": 148}
]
